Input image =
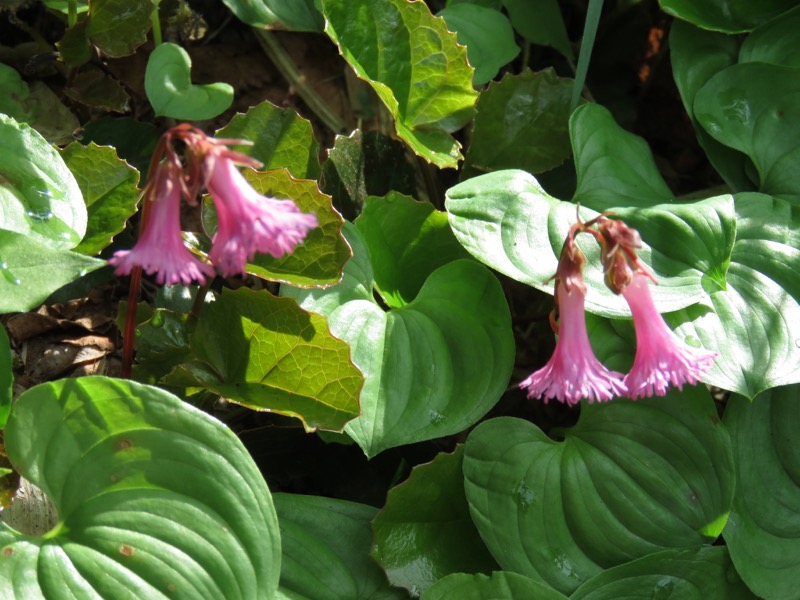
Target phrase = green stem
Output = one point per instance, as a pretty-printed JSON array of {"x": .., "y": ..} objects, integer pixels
[
  {"x": 284, "y": 63},
  {"x": 587, "y": 43},
  {"x": 156, "y": 24},
  {"x": 72, "y": 16}
]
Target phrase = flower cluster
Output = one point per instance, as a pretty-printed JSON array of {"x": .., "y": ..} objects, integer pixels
[
  {"x": 574, "y": 373},
  {"x": 248, "y": 223}
]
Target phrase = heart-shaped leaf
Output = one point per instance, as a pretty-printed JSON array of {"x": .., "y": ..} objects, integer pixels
[
  {"x": 297, "y": 15},
  {"x": 630, "y": 479},
  {"x": 424, "y": 532},
  {"x": 696, "y": 574},
  {"x": 280, "y": 139},
  {"x": 763, "y": 532},
  {"x": 326, "y": 551},
  {"x": 729, "y": 16},
  {"x": 507, "y": 221},
  {"x": 170, "y": 90},
  {"x": 501, "y": 585},
  {"x": 414, "y": 65},
  {"x": 155, "y": 498},
  {"x": 39, "y": 196},
  {"x": 432, "y": 367},
  {"x": 109, "y": 189},
  {"x": 268, "y": 354}
]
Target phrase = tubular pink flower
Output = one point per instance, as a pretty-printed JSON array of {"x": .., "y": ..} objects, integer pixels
[
  {"x": 573, "y": 372},
  {"x": 661, "y": 358},
  {"x": 249, "y": 222},
  {"x": 160, "y": 248}
]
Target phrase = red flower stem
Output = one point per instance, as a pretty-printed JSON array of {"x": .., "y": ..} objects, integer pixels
[{"x": 130, "y": 323}]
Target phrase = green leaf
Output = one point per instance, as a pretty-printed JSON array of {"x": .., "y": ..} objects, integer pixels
[
  {"x": 486, "y": 33},
  {"x": 432, "y": 367},
  {"x": 97, "y": 89},
  {"x": 755, "y": 108},
  {"x": 407, "y": 241},
  {"x": 319, "y": 260},
  {"x": 540, "y": 22},
  {"x": 268, "y": 354},
  {"x": 170, "y": 90},
  {"x": 155, "y": 498},
  {"x": 15, "y": 92},
  {"x": 774, "y": 42},
  {"x": 281, "y": 139},
  {"x": 630, "y": 479},
  {"x": 6, "y": 378},
  {"x": 615, "y": 168},
  {"x": 39, "y": 197},
  {"x": 133, "y": 140},
  {"x": 162, "y": 343},
  {"x": 109, "y": 189},
  {"x": 118, "y": 27},
  {"x": 763, "y": 532},
  {"x": 511, "y": 113},
  {"x": 728, "y": 16},
  {"x": 415, "y": 66},
  {"x": 326, "y": 550},
  {"x": 501, "y": 585},
  {"x": 507, "y": 221},
  {"x": 424, "y": 530},
  {"x": 74, "y": 49},
  {"x": 298, "y": 15},
  {"x": 693, "y": 574},
  {"x": 30, "y": 272},
  {"x": 697, "y": 55}
]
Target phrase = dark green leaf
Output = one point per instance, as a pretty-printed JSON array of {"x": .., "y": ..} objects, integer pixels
[
  {"x": 432, "y": 367},
  {"x": 297, "y": 15},
  {"x": 74, "y": 49},
  {"x": 486, "y": 33},
  {"x": 695, "y": 574},
  {"x": 133, "y": 140},
  {"x": 775, "y": 42},
  {"x": 325, "y": 546},
  {"x": 407, "y": 241},
  {"x": 424, "y": 531},
  {"x": 118, "y": 27},
  {"x": 630, "y": 479},
  {"x": 162, "y": 343},
  {"x": 729, "y": 16},
  {"x": 169, "y": 87},
  {"x": 268, "y": 354},
  {"x": 15, "y": 92},
  {"x": 521, "y": 123},
  {"x": 109, "y": 189},
  {"x": 39, "y": 197},
  {"x": 415, "y": 66},
  {"x": 540, "y": 22},
  {"x": 763, "y": 533},
  {"x": 280, "y": 137},
  {"x": 501, "y": 585},
  {"x": 6, "y": 378},
  {"x": 97, "y": 89},
  {"x": 155, "y": 498}
]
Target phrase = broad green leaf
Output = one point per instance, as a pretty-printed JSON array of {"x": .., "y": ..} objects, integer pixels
[
  {"x": 755, "y": 108},
  {"x": 507, "y": 221},
  {"x": 169, "y": 87},
  {"x": 39, "y": 197},
  {"x": 96, "y": 89},
  {"x": 697, "y": 55},
  {"x": 30, "y": 272},
  {"x": 615, "y": 168},
  {"x": 281, "y": 139},
  {"x": 501, "y": 585},
  {"x": 424, "y": 531},
  {"x": 6, "y": 378},
  {"x": 118, "y": 27},
  {"x": 496, "y": 4},
  {"x": 521, "y": 123},
  {"x": 268, "y": 354},
  {"x": 109, "y": 189},
  {"x": 297, "y": 15},
  {"x": 74, "y": 48},
  {"x": 630, "y": 479},
  {"x": 728, "y": 16},
  {"x": 432, "y": 367},
  {"x": 162, "y": 343},
  {"x": 15, "y": 92},
  {"x": 155, "y": 499},
  {"x": 133, "y": 140},
  {"x": 415, "y": 66},
  {"x": 753, "y": 321},
  {"x": 407, "y": 241},
  {"x": 540, "y": 22},
  {"x": 486, "y": 33},
  {"x": 319, "y": 260},
  {"x": 326, "y": 551},
  {"x": 763, "y": 532},
  {"x": 774, "y": 42},
  {"x": 695, "y": 574},
  {"x": 63, "y": 5}
]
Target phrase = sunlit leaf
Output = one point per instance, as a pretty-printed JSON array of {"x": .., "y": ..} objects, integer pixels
[{"x": 297, "y": 15}]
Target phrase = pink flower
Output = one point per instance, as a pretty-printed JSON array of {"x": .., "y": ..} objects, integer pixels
[
  {"x": 248, "y": 222},
  {"x": 160, "y": 248},
  {"x": 573, "y": 371},
  {"x": 661, "y": 358}
]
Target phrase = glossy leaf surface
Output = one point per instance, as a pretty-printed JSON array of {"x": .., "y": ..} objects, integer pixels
[
  {"x": 155, "y": 498},
  {"x": 500, "y": 585},
  {"x": 298, "y": 15},
  {"x": 729, "y": 16}
]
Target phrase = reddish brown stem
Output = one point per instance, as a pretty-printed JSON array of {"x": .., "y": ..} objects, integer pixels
[{"x": 129, "y": 335}]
